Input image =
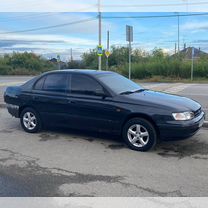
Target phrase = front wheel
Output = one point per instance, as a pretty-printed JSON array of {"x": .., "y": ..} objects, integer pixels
[
  {"x": 139, "y": 134},
  {"x": 30, "y": 120}
]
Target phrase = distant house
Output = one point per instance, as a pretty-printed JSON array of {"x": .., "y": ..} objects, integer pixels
[
  {"x": 55, "y": 61},
  {"x": 187, "y": 53}
]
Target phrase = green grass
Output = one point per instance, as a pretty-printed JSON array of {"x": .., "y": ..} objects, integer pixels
[{"x": 172, "y": 80}]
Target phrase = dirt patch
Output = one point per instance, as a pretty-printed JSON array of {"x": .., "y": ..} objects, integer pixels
[
  {"x": 6, "y": 131},
  {"x": 194, "y": 148},
  {"x": 84, "y": 138},
  {"x": 47, "y": 136},
  {"x": 116, "y": 146}
]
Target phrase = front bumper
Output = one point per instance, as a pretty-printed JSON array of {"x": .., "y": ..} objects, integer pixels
[
  {"x": 176, "y": 130},
  {"x": 13, "y": 110}
]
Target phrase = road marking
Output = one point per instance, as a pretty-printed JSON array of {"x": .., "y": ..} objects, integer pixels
[
  {"x": 170, "y": 87},
  {"x": 164, "y": 87},
  {"x": 194, "y": 94},
  {"x": 179, "y": 88},
  {"x": 152, "y": 86},
  {"x": 5, "y": 84},
  {"x": 157, "y": 87}
]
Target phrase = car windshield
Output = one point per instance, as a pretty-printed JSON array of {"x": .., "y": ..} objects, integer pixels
[{"x": 119, "y": 84}]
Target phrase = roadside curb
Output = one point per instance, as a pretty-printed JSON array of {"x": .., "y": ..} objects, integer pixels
[
  {"x": 205, "y": 125},
  {"x": 2, "y": 105}
]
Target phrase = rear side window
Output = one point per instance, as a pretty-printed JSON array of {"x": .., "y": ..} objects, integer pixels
[
  {"x": 39, "y": 84},
  {"x": 55, "y": 83},
  {"x": 81, "y": 84}
]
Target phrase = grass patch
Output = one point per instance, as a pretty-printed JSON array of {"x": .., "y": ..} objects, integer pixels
[{"x": 172, "y": 80}]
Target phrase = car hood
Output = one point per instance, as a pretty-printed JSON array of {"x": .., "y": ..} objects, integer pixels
[{"x": 163, "y": 100}]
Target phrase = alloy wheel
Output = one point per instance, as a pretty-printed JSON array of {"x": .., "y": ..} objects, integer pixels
[
  {"x": 138, "y": 135},
  {"x": 29, "y": 120}
]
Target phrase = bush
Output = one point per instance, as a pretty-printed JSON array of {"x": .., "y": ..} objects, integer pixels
[
  {"x": 144, "y": 65},
  {"x": 5, "y": 70},
  {"x": 24, "y": 64}
]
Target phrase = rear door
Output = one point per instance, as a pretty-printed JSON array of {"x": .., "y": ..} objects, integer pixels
[{"x": 49, "y": 97}]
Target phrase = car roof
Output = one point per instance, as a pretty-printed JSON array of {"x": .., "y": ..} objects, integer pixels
[{"x": 82, "y": 71}]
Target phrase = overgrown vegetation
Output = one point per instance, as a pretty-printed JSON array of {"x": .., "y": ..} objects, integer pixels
[
  {"x": 154, "y": 66},
  {"x": 147, "y": 66},
  {"x": 24, "y": 64}
]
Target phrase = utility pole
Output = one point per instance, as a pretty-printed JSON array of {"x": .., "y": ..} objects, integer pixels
[
  {"x": 175, "y": 48},
  {"x": 129, "y": 59},
  {"x": 71, "y": 55},
  {"x": 178, "y": 34},
  {"x": 108, "y": 49},
  {"x": 100, "y": 34},
  {"x": 59, "y": 61},
  {"x": 192, "y": 64},
  {"x": 129, "y": 38}
]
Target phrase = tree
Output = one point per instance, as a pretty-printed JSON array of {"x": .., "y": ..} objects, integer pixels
[
  {"x": 158, "y": 53},
  {"x": 24, "y": 63}
]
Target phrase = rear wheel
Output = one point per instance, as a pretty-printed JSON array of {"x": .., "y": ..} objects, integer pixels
[
  {"x": 30, "y": 120},
  {"x": 139, "y": 134}
]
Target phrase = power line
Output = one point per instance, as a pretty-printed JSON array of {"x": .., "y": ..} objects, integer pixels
[
  {"x": 50, "y": 27},
  {"x": 26, "y": 17},
  {"x": 39, "y": 14},
  {"x": 155, "y": 16},
  {"x": 155, "y": 5},
  {"x": 16, "y": 4},
  {"x": 36, "y": 7}
]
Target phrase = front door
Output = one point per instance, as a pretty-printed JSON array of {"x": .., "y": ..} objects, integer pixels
[{"x": 87, "y": 107}]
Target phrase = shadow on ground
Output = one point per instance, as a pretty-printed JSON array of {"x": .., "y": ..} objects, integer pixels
[
  {"x": 90, "y": 136},
  {"x": 192, "y": 147}
]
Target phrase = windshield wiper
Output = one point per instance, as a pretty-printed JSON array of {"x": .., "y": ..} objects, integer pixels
[{"x": 133, "y": 91}]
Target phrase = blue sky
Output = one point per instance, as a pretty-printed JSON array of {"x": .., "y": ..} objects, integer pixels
[{"x": 148, "y": 32}]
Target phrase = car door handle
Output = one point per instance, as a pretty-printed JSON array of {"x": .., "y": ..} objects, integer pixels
[
  {"x": 35, "y": 98},
  {"x": 71, "y": 102}
]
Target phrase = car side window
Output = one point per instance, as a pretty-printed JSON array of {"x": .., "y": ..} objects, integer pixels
[
  {"x": 39, "y": 84},
  {"x": 81, "y": 84},
  {"x": 55, "y": 83}
]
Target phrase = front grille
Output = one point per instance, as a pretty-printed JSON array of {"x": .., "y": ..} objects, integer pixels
[{"x": 198, "y": 112}]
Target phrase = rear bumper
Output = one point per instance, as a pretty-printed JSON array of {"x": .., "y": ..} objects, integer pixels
[
  {"x": 13, "y": 110},
  {"x": 176, "y": 130}
]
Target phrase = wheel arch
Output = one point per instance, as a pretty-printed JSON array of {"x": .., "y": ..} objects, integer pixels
[
  {"x": 26, "y": 106},
  {"x": 144, "y": 116}
]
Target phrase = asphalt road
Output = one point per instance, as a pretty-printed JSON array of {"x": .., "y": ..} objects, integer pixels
[{"x": 72, "y": 163}]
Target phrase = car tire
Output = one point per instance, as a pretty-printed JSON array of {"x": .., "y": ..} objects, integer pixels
[
  {"x": 30, "y": 120},
  {"x": 139, "y": 134}
]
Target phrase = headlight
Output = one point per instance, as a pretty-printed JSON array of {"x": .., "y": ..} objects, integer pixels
[{"x": 183, "y": 116}]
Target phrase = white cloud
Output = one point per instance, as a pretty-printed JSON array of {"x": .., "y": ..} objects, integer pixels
[
  {"x": 49, "y": 41},
  {"x": 195, "y": 26},
  {"x": 60, "y": 39},
  {"x": 45, "y": 44},
  {"x": 35, "y": 20}
]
